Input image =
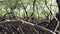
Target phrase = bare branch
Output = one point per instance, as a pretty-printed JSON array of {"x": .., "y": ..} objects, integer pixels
[
  {"x": 24, "y": 8},
  {"x": 32, "y": 15},
  {"x": 36, "y": 31},
  {"x": 21, "y": 22},
  {"x": 20, "y": 29}
]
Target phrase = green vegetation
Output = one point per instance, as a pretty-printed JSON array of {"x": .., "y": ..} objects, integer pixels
[{"x": 22, "y": 6}]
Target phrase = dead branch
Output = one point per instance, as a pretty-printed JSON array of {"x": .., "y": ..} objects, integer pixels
[
  {"x": 21, "y": 30},
  {"x": 57, "y": 31},
  {"x": 36, "y": 31},
  {"x": 24, "y": 23}
]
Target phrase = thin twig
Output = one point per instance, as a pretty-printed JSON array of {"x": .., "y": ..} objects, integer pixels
[
  {"x": 32, "y": 15},
  {"x": 24, "y": 8}
]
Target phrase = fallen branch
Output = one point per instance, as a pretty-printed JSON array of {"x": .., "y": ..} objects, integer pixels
[
  {"x": 24, "y": 23},
  {"x": 20, "y": 30}
]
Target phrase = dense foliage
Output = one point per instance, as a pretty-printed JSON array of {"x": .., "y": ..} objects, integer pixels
[{"x": 23, "y": 8}]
